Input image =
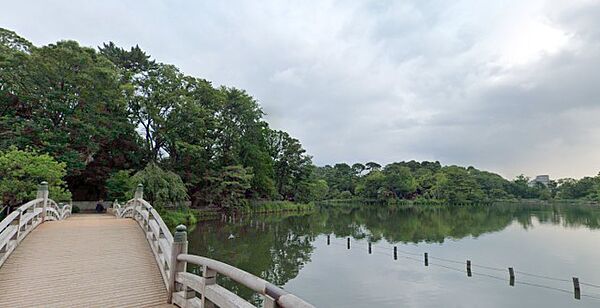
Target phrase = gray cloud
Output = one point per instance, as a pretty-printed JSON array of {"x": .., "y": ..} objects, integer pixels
[{"x": 510, "y": 86}]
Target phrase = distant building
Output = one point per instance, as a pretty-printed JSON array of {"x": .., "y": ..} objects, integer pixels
[{"x": 544, "y": 179}]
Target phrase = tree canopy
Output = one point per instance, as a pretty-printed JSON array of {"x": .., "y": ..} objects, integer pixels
[
  {"x": 22, "y": 171},
  {"x": 113, "y": 116},
  {"x": 113, "y": 112},
  {"x": 426, "y": 180}
]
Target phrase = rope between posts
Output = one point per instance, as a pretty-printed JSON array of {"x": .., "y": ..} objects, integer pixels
[
  {"x": 542, "y": 276},
  {"x": 461, "y": 270},
  {"x": 589, "y": 284},
  {"x": 474, "y": 265}
]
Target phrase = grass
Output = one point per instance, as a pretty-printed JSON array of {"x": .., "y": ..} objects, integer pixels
[
  {"x": 175, "y": 217},
  {"x": 276, "y": 207},
  {"x": 190, "y": 217}
]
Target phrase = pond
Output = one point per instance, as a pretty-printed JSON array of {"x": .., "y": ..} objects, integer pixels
[{"x": 546, "y": 245}]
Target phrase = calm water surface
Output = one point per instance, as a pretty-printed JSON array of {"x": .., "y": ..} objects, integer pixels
[{"x": 546, "y": 245}]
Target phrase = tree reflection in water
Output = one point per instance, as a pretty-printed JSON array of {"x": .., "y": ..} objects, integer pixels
[{"x": 276, "y": 247}]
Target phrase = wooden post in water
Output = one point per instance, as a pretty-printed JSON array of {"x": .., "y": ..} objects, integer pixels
[
  {"x": 180, "y": 246},
  {"x": 348, "y": 240},
  {"x": 328, "y": 240},
  {"x": 42, "y": 193},
  {"x": 576, "y": 288},
  {"x": 395, "y": 253},
  {"x": 511, "y": 273},
  {"x": 468, "y": 268},
  {"x": 426, "y": 258}
]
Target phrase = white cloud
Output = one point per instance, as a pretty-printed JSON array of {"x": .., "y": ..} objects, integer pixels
[{"x": 504, "y": 85}]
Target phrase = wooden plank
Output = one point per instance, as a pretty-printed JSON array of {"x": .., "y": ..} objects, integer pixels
[
  {"x": 180, "y": 300},
  {"x": 25, "y": 232},
  {"x": 158, "y": 257},
  {"x": 104, "y": 263},
  {"x": 194, "y": 282},
  {"x": 225, "y": 298},
  {"x": 7, "y": 234},
  {"x": 145, "y": 214},
  {"x": 26, "y": 218},
  {"x": 154, "y": 227},
  {"x": 8, "y": 220},
  {"x": 162, "y": 225},
  {"x": 166, "y": 248}
]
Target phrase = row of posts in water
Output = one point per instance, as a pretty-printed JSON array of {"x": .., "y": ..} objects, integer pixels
[{"x": 511, "y": 271}]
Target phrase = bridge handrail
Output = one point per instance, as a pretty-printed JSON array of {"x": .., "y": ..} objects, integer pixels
[
  {"x": 18, "y": 224},
  {"x": 171, "y": 256},
  {"x": 58, "y": 212},
  {"x": 273, "y": 294},
  {"x": 157, "y": 233},
  {"x": 66, "y": 211},
  {"x": 16, "y": 213}
]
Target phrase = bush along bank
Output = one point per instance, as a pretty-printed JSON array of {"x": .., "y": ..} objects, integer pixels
[
  {"x": 175, "y": 217},
  {"x": 190, "y": 217},
  {"x": 276, "y": 207}
]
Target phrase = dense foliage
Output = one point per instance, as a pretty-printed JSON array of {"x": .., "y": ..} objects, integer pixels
[
  {"x": 114, "y": 117},
  {"x": 452, "y": 184},
  {"x": 22, "y": 171},
  {"x": 110, "y": 113}
]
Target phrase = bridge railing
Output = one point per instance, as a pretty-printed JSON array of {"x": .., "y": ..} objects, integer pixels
[
  {"x": 187, "y": 289},
  {"x": 18, "y": 224}
]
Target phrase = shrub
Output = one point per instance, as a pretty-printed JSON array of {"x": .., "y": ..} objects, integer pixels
[
  {"x": 345, "y": 195},
  {"x": 21, "y": 173},
  {"x": 119, "y": 186},
  {"x": 172, "y": 218},
  {"x": 161, "y": 188}
]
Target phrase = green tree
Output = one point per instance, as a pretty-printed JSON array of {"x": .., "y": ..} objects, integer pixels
[
  {"x": 161, "y": 188},
  {"x": 520, "y": 187},
  {"x": 66, "y": 100},
  {"x": 290, "y": 163},
  {"x": 228, "y": 187},
  {"x": 455, "y": 185},
  {"x": 22, "y": 171},
  {"x": 372, "y": 166},
  {"x": 133, "y": 61},
  {"x": 12, "y": 42},
  {"x": 372, "y": 183},
  {"x": 120, "y": 186},
  {"x": 235, "y": 182},
  {"x": 358, "y": 169},
  {"x": 104, "y": 113},
  {"x": 399, "y": 180}
]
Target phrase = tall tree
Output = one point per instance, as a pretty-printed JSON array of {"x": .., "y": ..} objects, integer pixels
[
  {"x": 400, "y": 180},
  {"x": 291, "y": 163},
  {"x": 66, "y": 100}
]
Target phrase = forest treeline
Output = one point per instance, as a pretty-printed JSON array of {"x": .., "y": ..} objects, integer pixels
[
  {"x": 430, "y": 181},
  {"x": 110, "y": 113},
  {"x": 96, "y": 122}
]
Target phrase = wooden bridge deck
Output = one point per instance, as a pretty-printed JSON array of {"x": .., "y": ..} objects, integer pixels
[{"x": 85, "y": 261}]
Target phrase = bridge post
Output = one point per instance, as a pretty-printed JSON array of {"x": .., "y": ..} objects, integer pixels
[
  {"x": 139, "y": 194},
  {"x": 139, "y": 191},
  {"x": 42, "y": 193},
  {"x": 180, "y": 246}
]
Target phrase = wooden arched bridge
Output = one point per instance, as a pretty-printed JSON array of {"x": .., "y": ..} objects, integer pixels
[{"x": 52, "y": 259}]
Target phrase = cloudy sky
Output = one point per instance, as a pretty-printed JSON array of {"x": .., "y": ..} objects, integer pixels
[{"x": 510, "y": 86}]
